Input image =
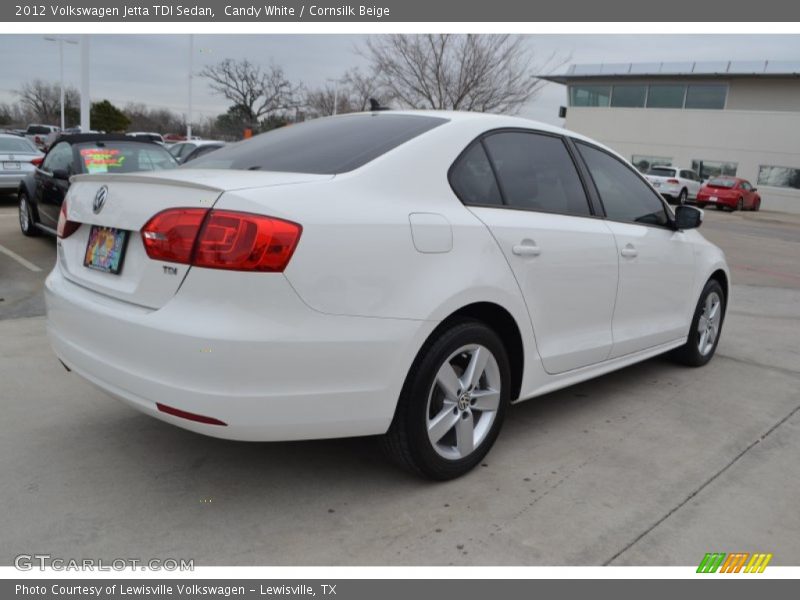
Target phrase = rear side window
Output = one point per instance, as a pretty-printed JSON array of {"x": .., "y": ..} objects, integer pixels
[
  {"x": 472, "y": 178},
  {"x": 625, "y": 196},
  {"x": 322, "y": 146},
  {"x": 536, "y": 172}
]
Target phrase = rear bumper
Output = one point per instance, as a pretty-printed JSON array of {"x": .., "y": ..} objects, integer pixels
[
  {"x": 259, "y": 360},
  {"x": 11, "y": 181},
  {"x": 726, "y": 202}
]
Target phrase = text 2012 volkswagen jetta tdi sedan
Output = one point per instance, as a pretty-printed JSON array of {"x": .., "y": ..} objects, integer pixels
[{"x": 397, "y": 273}]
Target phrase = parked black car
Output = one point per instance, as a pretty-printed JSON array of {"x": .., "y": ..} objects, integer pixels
[{"x": 42, "y": 192}]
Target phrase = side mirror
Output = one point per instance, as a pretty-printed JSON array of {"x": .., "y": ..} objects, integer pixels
[
  {"x": 753, "y": 189},
  {"x": 61, "y": 174},
  {"x": 688, "y": 217}
]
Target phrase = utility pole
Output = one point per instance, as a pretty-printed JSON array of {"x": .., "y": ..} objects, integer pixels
[
  {"x": 189, "y": 103},
  {"x": 85, "y": 99}
]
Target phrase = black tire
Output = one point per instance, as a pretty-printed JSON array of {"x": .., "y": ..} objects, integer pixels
[
  {"x": 27, "y": 216},
  {"x": 757, "y": 205},
  {"x": 407, "y": 442},
  {"x": 719, "y": 207},
  {"x": 683, "y": 197},
  {"x": 739, "y": 204},
  {"x": 689, "y": 354}
]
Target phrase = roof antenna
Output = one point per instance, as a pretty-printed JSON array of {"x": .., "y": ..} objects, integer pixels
[{"x": 375, "y": 105}]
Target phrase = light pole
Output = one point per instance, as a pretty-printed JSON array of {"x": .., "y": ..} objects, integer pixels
[
  {"x": 61, "y": 40},
  {"x": 189, "y": 103}
]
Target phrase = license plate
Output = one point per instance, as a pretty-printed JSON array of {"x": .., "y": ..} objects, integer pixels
[
  {"x": 712, "y": 199},
  {"x": 11, "y": 165},
  {"x": 106, "y": 249}
]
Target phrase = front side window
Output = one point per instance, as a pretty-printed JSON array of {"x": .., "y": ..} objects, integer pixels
[
  {"x": 59, "y": 157},
  {"x": 472, "y": 178},
  {"x": 787, "y": 177},
  {"x": 536, "y": 172},
  {"x": 589, "y": 95},
  {"x": 625, "y": 196}
]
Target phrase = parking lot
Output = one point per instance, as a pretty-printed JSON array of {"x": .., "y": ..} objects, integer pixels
[{"x": 656, "y": 464}]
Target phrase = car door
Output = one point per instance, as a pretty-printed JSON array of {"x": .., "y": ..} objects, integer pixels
[
  {"x": 747, "y": 194},
  {"x": 50, "y": 191},
  {"x": 692, "y": 182},
  {"x": 656, "y": 270},
  {"x": 525, "y": 187}
]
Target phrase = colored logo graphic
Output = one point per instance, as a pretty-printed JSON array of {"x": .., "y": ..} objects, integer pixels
[{"x": 736, "y": 562}]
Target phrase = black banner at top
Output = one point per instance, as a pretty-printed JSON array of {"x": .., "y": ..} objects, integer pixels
[{"x": 398, "y": 11}]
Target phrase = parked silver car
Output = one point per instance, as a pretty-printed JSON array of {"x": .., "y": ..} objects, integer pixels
[{"x": 15, "y": 160}]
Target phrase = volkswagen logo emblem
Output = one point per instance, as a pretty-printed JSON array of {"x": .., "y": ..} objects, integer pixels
[{"x": 100, "y": 199}]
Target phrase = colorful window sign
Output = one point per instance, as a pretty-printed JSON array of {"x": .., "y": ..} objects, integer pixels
[{"x": 101, "y": 160}]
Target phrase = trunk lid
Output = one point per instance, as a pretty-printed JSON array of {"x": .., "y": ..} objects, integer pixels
[{"x": 130, "y": 202}]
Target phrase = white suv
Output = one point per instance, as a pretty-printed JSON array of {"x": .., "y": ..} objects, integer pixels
[{"x": 675, "y": 183}]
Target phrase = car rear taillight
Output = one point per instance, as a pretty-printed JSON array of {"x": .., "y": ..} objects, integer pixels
[
  {"x": 65, "y": 227},
  {"x": 37, "y": 162},
  {"x": 170, "y": 235},
  {"x": 673, "y": 181},
  {"x": 221, "y": 239}
]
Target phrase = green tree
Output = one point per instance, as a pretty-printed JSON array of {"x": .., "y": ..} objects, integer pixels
[{"x": 107, "y": 117}]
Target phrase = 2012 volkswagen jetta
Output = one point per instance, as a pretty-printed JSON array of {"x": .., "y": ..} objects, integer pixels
[{"x": 400, "y": 273}]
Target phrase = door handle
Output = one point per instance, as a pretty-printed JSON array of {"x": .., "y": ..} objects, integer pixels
[
  {"x": 527, "y": 248},
  {"x": 629, "y": 251}
]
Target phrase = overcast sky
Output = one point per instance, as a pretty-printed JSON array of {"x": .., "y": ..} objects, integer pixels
[{"x": 152, "y": 68}]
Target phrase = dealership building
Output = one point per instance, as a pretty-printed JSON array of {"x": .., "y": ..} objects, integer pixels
[{"x": 731, "y": 118}]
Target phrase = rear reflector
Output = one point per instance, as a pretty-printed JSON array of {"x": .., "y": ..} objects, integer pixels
[
  {"x": 221, "y": 239},
  {"x": 176, "y": 412},
  {"x": 672, "y": 181},
  {"x": 65, "y": 228}
]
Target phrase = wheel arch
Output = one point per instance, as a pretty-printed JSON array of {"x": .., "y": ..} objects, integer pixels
[
  {"x": 722, "y": 278},
  {"x": 505, "y": 325}
]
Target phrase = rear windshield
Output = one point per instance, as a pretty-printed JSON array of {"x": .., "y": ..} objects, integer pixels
[
  {"x": 19, "y": 145},
  {"x": 723, "y": 183},
  {"x": 123, "y": 157},
  {"x": 38, "y": 129},
  {"x": 322, "y": 146},
  {"x": 661, "y": 172}
]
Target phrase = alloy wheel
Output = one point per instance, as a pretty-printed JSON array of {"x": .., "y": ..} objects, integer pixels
[
  {"x": 709, "y": 323},
  {"x": 463, "y": 401},
  {"x": 24, "y": 214}
]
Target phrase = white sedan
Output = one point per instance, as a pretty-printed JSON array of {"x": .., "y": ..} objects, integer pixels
[{"x": 399, "y": 273}]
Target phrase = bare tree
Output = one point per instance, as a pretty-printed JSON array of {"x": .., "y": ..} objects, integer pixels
[
  {"x": 486, "y": 73},
  {"x": 352, "y": 94},
  {"x": 43, "y": 101},
  {"x": 259, "y": 92}
]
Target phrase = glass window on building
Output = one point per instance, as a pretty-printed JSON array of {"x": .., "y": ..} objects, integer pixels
[
  {"x": 713, "y": 168},
  {"x": 644, "y": 163},
  {"x": 629, "y": 96},
  {"x": 706, "y": 95},
  {"x": 787, "y": 177},
  {"x": 589, "y": 95},
  {"x": 666, "y": 95}
]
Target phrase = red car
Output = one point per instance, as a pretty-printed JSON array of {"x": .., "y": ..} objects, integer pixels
[{"x": 734, "y": 193}]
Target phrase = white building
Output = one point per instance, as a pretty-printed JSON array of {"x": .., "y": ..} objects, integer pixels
[{"x": 735, "y": 118}]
